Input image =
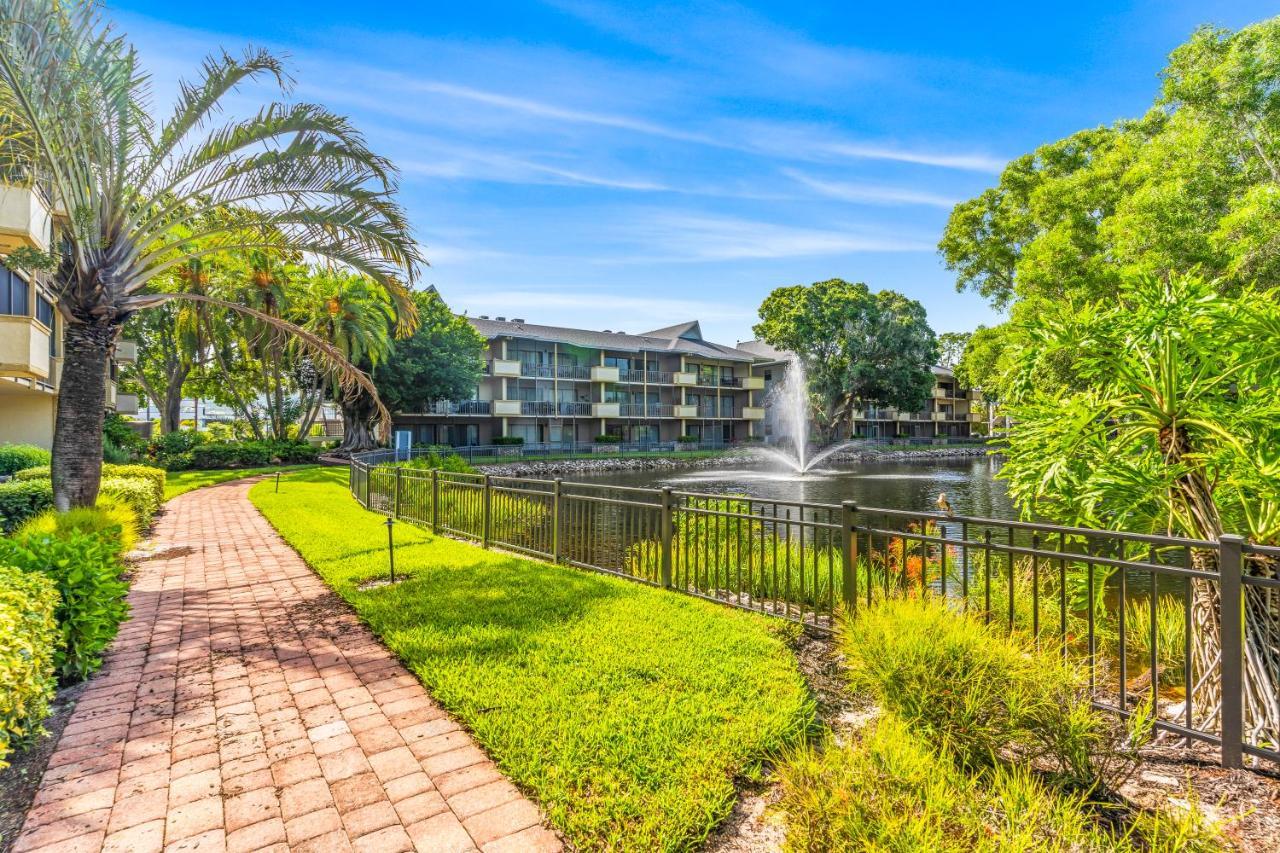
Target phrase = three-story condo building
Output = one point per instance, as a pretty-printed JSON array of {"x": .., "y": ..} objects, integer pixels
[
  {"x": 555, "y": 385},
  {"x": 31, "y": 328}
]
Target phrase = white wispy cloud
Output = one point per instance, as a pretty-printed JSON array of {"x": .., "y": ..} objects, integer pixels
[
  {"x": 965, "y": 161},
  {"x": 862, "y": 193}
]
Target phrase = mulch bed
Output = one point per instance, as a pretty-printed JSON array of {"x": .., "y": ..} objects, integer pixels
[{"x": 21, "y": 779}]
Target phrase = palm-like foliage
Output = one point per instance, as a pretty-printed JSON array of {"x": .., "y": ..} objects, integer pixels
[
  {"x": 141, "y": 198},
  {"x": 1173, "y": 427}
]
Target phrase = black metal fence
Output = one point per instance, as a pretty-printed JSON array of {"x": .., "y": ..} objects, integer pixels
[{"x": 1125, "y": 605}]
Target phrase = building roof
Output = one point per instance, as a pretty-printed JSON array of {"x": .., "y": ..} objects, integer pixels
[
  {"x": 761, "y": 350},
  {"x": 683, "y": 338}
]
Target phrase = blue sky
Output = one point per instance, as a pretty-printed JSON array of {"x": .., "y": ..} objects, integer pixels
[{"x": 633, "y": 165}]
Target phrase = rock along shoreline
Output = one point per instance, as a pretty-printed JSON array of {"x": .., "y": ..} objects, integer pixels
[{"x": 588, "y": 465}]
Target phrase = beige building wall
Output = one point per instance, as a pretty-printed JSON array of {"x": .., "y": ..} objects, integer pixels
[{"x": 26, "y": 416}]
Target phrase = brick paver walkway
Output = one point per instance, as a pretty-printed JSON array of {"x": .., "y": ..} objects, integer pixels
[{"x": 244, "y": 707}]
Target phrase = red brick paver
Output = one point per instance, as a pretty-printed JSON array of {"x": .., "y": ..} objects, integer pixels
[{"x": 244, "y": 707}]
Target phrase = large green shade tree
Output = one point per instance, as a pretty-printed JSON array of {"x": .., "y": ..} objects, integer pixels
[{"x": 139, "y": 196}]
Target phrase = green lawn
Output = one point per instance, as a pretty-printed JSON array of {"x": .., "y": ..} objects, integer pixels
[
  {"x": 181, "y": 482},
  {"x": 626, "y": 711}
]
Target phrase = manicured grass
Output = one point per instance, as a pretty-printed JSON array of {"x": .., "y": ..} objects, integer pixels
[
  {"x": 181, "y": 482},
  {"x": 626, "y": 711}
]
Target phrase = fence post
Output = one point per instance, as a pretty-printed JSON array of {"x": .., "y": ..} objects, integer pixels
[
  {"x": 666, "y": 533},
  {"x": 556, "y": 501},
  {"x": 395, "y": 506},
  {"x": 849, "y": 555},
  {"x": 484, "y": 505},
  {"x": 435, "y": 501},
  {"x": 1231, "y": 642},
  {"x": 368, "y": 483}
]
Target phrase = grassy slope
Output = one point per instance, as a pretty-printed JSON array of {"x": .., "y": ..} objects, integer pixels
[
  {"x": 626, "y": 711},
  {"x": 181, "y": 482}
]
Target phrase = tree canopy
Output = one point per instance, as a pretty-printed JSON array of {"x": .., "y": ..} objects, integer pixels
[
  {"x": 441, "y": 360},
  {"x": 856, "y": 346}
]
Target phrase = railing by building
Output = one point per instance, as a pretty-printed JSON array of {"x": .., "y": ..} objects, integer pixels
[
  {"x": 809, "y": 562},
  {"x": 646, "y": 410},
  {"x": 540, "y": 450},
  {"x": 460, "y": 407}
]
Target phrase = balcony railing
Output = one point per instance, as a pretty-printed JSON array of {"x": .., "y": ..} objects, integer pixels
[
  {"x": 460, "y": 407},
  {"x": 566, "y": 371},
  {"x": 705, "y": 411},
  {"x": 543, "y": 408},
  {"x": 573, "y": 410},
  {"x": 646, "y": 410},
  {"x": 537, "y": 371},
  {"x": 652, "y": 377}
]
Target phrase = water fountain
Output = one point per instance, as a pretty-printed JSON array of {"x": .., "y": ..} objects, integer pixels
[{"x": 789, "y": 403}]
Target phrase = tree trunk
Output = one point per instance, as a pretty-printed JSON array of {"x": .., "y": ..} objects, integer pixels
[
  {"x": 82, "y": 400},
  {"x": 357, "y": 412},
  {"x": 171, "y": 408}
]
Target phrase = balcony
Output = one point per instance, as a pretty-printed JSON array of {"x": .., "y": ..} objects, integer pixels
[
  {"x": 504, "y": 367},
  {"x": 729, "y": 381},
  {"x": 942, "y": 416},
  {"x": 683, "y": 411},
  {"x": 127, "y": 404},
  {"x": 645, "y": 410},
  {"x": 753, "y": 383},
  {"x": 126, "y": 352},
  {"x": 111, "y": 394},
  {"x": 573, "y": 372},
  {"x": 977, "y": 417},
  {"x": 602, "y": 373},
  {"x": 752, "y": 413},
  {"x": 537, "y": 408},
  {"x": 507, "y": 408},
  {"x": 605, "y": 410},
  {"x": 459, "y": 407},
  {"x": 24, "y": 347},
  {"x": 683, "y": 378},
  {"x": 651, "y": 377},
  {"x": 573, "y": 410},
  {"x": 537, "y": 371},
  {"x": 24, "y": 219}
]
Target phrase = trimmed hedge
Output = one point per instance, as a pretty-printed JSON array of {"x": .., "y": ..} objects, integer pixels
[
  {"x": 155, "y": 476},
  {"x": 28, "y": 634},
  {"x": 15, "y": 457},
  {"x": 86, "y": 568},
  {"x": 244, "y": 454},
  {"x": 22, "y": 499},
  {"x": 138, "y": 494}
]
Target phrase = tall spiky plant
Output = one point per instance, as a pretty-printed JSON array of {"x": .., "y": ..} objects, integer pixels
[{"x": 139, "y": 197}]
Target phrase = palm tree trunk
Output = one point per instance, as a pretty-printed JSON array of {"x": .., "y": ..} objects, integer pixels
[
  {"x": 357, "y": 413},
  {"x": 77, "y": 433}
]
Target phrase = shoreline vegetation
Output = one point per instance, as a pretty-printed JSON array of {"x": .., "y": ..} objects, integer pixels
[{"x": 709, "y": 459}]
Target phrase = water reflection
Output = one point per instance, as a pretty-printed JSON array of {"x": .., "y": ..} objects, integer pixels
[{"x": 913, "y": 484}]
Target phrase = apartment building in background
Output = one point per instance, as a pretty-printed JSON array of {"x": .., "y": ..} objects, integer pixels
[
  {"x": 31, "y": 328},
  {"x": 556, "y": 385},
  {"x": 951, "y": 411}
]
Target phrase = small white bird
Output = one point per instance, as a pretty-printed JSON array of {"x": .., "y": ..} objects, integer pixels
[{"x": 944, "y": 504}]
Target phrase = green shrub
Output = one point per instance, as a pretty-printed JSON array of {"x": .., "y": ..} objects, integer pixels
[
  {"x": 15, "y": 457},
  {"x": 21, "y": 499},
  {"x": 111, "y": 517},
  {"x": 608, "y": 439},
  {"x": 250, "y": 454},
  {"x": 137, "y": 493},
  {"x": 155, "y": 476},
  {"x": 688, "y": 439},
  {"x": 114, "y": 453},
  {"x": 508, "y": 439},
  {"x": 86, "y": 568},
  {"x": 116, "y": 429},
  {"x": 451, "y": 462},
  {"x": 888, "y": 790},
  {"x": 28, "y": 635},
  {"x": 984, "y": 693}
]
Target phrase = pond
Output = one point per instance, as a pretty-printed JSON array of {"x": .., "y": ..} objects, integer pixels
[{"x": 912, "y": 484}]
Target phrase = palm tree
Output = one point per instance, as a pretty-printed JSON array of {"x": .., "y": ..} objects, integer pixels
[
  {"x": 357, "y": 317},
  {"x": 141, "y": 197}
]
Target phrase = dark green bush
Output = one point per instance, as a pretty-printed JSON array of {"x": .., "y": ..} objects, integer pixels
[
  {"x": 86, "y": 568},
  {"x": 116, "y": 429},
  {"x": 171, "y": 450},
  {"x": 608, "y": 439},
  {"x": 28, "y": 635},
  {"x": 22, "y": 499},
  {"x": 15, "y": 457},
  {"x": 508, "y": 439},
  {"x": 251, "y": 454},
  {"x": 688, "y": 439}
]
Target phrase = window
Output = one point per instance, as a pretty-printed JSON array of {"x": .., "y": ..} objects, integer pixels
[
  {"x": 13, "y": 293},
  {"x": 44, "y": 309}
]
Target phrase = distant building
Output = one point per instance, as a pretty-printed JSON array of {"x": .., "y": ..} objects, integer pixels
[
  {"x": 556, "y": 385},
  {"x": 31, "y": 329},
  {"x": 951, "y": 411}
]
